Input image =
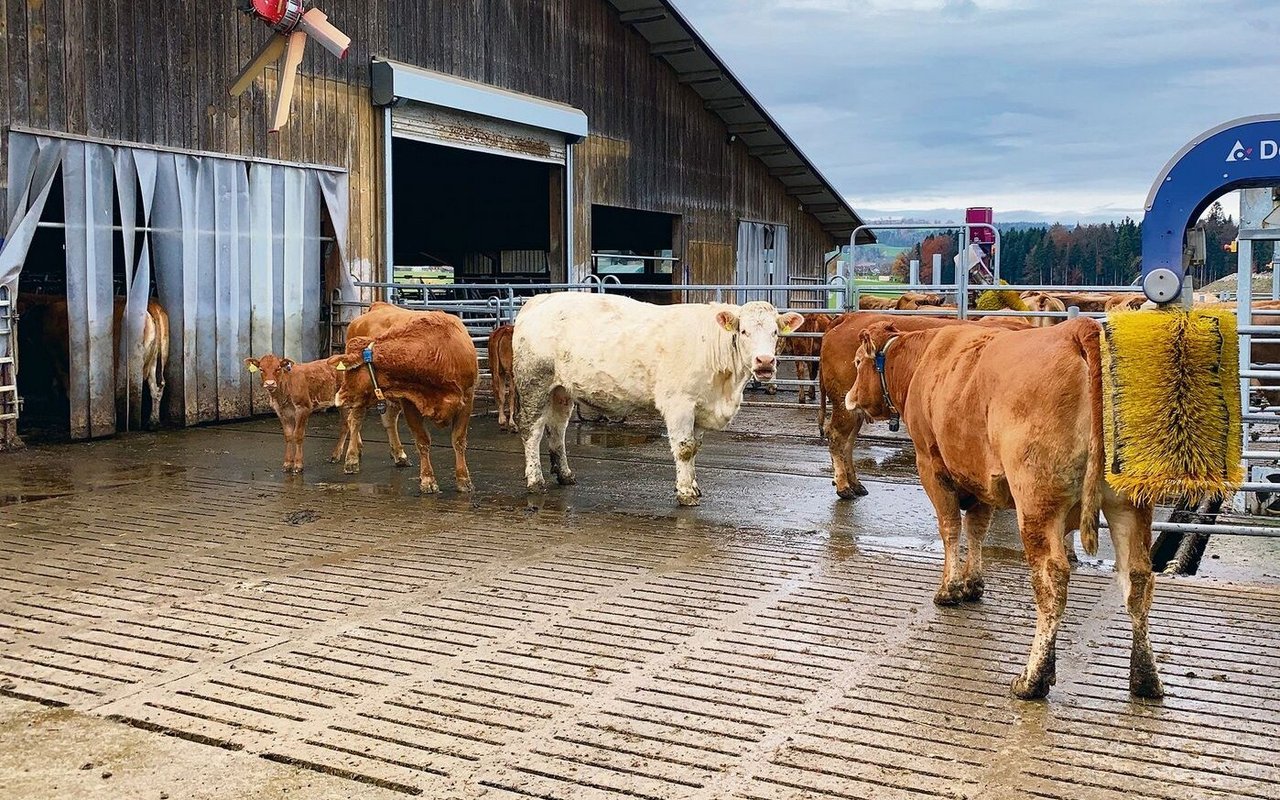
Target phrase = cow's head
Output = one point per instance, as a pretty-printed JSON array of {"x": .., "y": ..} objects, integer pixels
[
  {"x": 353, "y": 381},
  {"x": 756, "y": 326},
  {"x": 272, "y": 368},
  {"x": 867, "y": 395}
]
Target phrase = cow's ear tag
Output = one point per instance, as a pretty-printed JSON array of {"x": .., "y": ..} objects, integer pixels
[
  {"x": 341, "y": 366},
  {"x": 253, "y": 367},
  {"x": 786, "y": 329}
]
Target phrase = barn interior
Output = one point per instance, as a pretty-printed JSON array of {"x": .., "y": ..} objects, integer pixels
[{"x": 486, "y": 216}]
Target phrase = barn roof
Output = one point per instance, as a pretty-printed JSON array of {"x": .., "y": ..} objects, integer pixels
[{"x": 672, "y": 39}]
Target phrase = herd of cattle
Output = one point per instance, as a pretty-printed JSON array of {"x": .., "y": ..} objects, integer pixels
[{"x": 983, "y": 442}]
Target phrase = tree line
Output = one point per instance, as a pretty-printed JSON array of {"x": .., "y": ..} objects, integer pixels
[{"x": 1097, "y": 254}]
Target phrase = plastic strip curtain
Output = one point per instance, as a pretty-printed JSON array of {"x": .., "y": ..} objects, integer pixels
[{"x": 235, "y": 249}]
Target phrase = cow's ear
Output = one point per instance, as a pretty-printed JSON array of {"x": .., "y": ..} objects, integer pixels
[
  {"x": 789, "y": 321},
  {"x": 286, "y": 364},
  {"x": 727, "y": 320},
  {"x": 252, "y": 364},
  {"x": 340, "y": 362}
]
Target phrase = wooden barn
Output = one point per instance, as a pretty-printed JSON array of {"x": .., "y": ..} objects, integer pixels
[{"x": 502, "y": 141}]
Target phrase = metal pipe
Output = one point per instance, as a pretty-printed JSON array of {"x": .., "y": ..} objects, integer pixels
[
  {"x": 1244, "y": 304},
  {"x": 388, "y": 183},
  {"x": 569, "y": 266}
]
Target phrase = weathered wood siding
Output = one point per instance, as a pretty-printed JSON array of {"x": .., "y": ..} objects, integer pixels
[{"x": 116, "y": 70}]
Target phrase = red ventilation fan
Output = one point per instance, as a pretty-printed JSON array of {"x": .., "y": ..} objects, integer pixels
[{"x": 292, "y": 23}]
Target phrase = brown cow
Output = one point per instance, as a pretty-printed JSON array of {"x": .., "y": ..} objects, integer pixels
[
  {"x": 1129, "y": 302},
  {"x": 836, "y": 375},
  {"x": 295, "y": 390},
  {"x": 380, "y": 318},
  {"x": 51, "y": 320},
  {"x": 907, "y": 301},
  {"x": 984, "y": 442},
  {"x": 504, "y": 388},
  {"x": 804, "y": 347},
  {"x": 1043, "y": 301},
  {"x": 429, "y": 365}
]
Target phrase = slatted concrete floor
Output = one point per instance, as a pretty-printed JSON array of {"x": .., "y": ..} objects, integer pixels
[{"x": 452, "y": 650}]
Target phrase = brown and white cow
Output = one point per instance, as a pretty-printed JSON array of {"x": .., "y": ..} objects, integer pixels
[
  {"x": 429, "y": 366},
  {"x": 836, "y": 374},
  {"x": 616, "y": 356},
  {"x": 295, "y": 391},
  {"x": 500, "y": 368},
  {"x": 48, "y": 323},
  {"x": 985, "y": 442},
  {"x": 806, "y": 347},
  {"x": 1043, "y": 301}
]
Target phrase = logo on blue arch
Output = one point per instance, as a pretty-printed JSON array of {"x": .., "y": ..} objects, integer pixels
[{"x": 1239, "y": 152}]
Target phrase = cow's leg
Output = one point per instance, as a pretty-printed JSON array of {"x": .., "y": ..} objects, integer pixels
[
  {"x": 1131, "y": 536},
  {"x": 947, "y": 507},
  {"x": 976, "y": 522},
  {"x": 355, "y": 421},
  {"x": 391, "y": 424},
  {"x": 557, "y": 422},
  {"x": 684, "y": 447},
  {"x": 534, "y": 400},
  {"x": 422, "y": 438},
  {"x": 299, "y": 436},
  {"x": 286, "y": 425},
  {"x": 841, "y": 433},
  {"x": 152, "y": 380},
  {"x": 1042, "y": 540},
  {"x": 461, "y": 424},
  {"x": 344, "y": 433}
]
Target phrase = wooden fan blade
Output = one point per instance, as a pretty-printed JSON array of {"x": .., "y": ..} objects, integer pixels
[
  {"x": 269, "y": 53},
  {"x": 316, "y": 23},
  {"x": 288, "y": 78}
]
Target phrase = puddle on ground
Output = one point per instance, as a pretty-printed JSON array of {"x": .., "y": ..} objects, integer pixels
[
  {"x": 615, "y": 438},
  {"x": 45, "y": 483}
]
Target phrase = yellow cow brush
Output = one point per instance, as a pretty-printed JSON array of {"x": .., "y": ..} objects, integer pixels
[
  {"x": 1001, "y": 300},
  {"x": 1171, "y": 404}
]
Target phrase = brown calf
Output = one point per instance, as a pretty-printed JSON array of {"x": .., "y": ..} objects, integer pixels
[
  {"x": 500, "y": 367},
  {"x": 836, "y": 373},
  {"x": 807, "y": 347},
  {"x": 429, "y": 366},
  {"x": 295, "y": 390},
  {"x": 984, "y": 442}
]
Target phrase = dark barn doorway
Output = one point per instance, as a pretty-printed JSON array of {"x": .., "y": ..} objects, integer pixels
[
  {"x": 488, "y": 218},
  {"x": 636, "y": 247}
]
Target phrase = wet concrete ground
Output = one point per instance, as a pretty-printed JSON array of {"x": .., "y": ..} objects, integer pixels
[{"x": 775, "y": 642}]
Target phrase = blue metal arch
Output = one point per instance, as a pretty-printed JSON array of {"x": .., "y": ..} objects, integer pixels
[{"x": 1240, "y": 154}]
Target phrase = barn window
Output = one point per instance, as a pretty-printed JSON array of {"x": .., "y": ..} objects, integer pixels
[
  {"x": 762, "y": 260},
  {"x": 635, "y": 247}
]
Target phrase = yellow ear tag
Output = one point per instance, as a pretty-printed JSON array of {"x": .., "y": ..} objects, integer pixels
[
  {"x": 341, "y": 366},
  {"x": 253, "y": 367},
  {"x": 786, "y": 329}
]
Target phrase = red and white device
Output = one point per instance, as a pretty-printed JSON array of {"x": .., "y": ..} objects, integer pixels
[{"x": 292, "y": 23}]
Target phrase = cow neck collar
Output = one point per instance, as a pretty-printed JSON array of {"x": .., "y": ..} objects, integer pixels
[
  {"x": 895, "y": 419},
  {"x": 367, "y": 356}
]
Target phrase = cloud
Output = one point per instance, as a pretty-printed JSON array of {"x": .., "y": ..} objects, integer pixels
[{"x": 1075, "y": 105}]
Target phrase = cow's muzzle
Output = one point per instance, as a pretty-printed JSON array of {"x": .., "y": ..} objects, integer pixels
[{"x": 764, "y": 367}]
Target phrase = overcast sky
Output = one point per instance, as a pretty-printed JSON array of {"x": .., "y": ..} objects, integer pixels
[{"x": 1067, "y": 108}]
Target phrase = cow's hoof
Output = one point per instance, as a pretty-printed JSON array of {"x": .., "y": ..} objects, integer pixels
[
  {"x": 855, "y": 489},
  {"x": 1072, "y": 558},
  {"x": 429, "y": 486},
  {"x": 973, "y": 589},
  {"x": 1024, "y": 689},
  {"x": 401, "y": 460},
  {"x": 333, "y": 459},
  {"x": 949, "y": 595},
  {"x": 351, "y": 469},
  {"x": 687, "y": 498},
  {"x": 465, "y": 486},
  {"x": 566, "y": 478},
  {"x": 1146, "y": 686},
  {"x": 537, "y": 487}
]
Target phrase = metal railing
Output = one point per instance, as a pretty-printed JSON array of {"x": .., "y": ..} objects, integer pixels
[{"x": 10, "y": 404}]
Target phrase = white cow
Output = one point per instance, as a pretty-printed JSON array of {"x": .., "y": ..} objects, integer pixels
[{"x": 618, "y": 356}]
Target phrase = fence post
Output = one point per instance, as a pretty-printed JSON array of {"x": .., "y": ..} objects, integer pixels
[
  {"x": 1073, "y": 312},
  {"x": 914, "y": 275}
]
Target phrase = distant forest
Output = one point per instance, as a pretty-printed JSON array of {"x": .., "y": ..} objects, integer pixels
[{"x": 1098, "y": 254}]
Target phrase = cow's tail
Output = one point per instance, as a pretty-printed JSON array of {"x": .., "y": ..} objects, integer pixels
[
  {"x": 1091, "y": 496},
  {"x": 162, "y": 356}
]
